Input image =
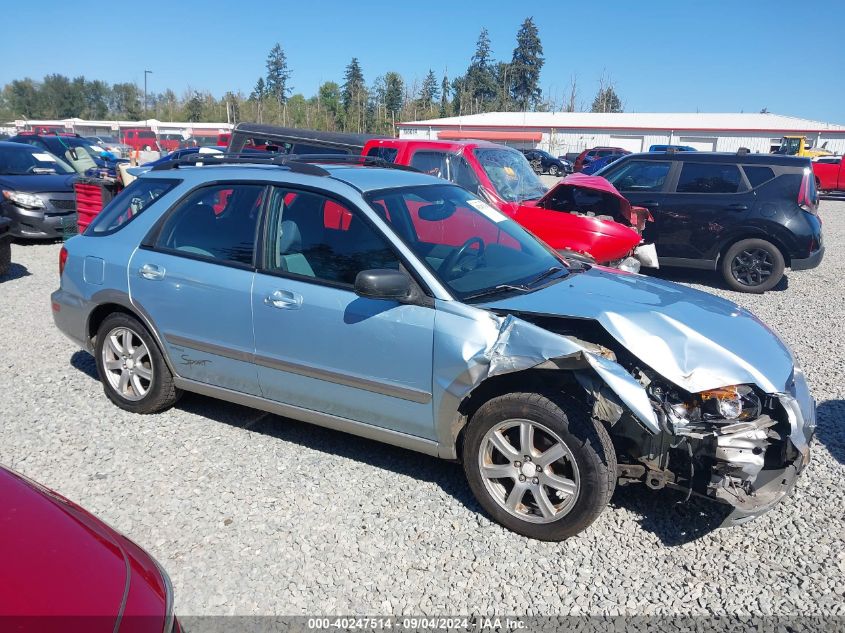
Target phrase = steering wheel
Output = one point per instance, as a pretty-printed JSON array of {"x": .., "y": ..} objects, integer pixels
[{"x": 455, "y": 256}]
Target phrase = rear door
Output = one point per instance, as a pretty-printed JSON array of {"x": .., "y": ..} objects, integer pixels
[
  {"x": 193, "y": 275},
  {"x": 707, "y": 201}
]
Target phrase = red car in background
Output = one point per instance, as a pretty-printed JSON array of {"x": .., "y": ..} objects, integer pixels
[
  {"x": 573, "y": 218},
  {"x": 140, "y": 139},
  {"x": 65, "y": 571},
  {"x": 589, "y": 155},
  {"x": 830, "y": 173}
]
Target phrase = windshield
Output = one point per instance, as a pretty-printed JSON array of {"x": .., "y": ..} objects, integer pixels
[
  {"x": 26, "y": 161},
  {"x": 511, "y": 174},
  {"x": 789, "y": 146},
  {"x": 472, "y": 248}
]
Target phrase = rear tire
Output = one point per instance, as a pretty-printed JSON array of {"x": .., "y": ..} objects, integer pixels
[
  {"x": 5, "y": 256},
  {"x": 512, "y": 473},
  {"x": 132, "y": 369},
  {"x": 752, "y": 265}
]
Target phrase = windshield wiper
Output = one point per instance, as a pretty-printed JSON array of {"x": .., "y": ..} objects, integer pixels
[
  {"x": 496, "y": 290},
  {"x": 546, "y": 273}
]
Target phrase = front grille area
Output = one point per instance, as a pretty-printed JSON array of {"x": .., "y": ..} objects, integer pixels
[{"x": 66, "y": 205}]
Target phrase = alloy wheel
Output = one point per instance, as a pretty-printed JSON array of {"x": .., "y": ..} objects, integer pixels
[
  {"x": 529, "y": 470},
  {"x": 752, "y": 267},
  {"x": 127, "y": 363}
]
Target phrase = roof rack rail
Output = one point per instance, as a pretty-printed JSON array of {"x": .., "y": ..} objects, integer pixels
[{"x": 299, "y": 163}]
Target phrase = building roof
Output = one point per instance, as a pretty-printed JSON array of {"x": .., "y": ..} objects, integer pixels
[
  {"x": 151, "y": 123},
  {"x": 718, "y": 121}
]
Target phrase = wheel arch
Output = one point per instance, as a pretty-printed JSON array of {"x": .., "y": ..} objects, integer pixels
[
  {"x": 527, "y": 380},
  {"x": 114, "y": 304},
  {"x": 754, "y": 233}
]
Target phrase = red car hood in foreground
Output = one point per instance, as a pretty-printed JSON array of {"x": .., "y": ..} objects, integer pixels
[
  {"x": 580, "y": 229},
  {"x": 65, "y": 570}
]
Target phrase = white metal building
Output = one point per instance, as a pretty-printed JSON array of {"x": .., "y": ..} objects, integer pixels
[
  {"x": 110, "y": 128},
  {"x": 562, "y": 132}
]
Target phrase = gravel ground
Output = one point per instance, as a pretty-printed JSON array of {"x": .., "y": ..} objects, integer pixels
[{"x": 255, "y": 514}]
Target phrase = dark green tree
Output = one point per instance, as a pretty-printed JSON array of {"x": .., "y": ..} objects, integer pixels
[
  {"x": 480, "y": 80},
  {"x": 606, "y": 99},
  {"x": 526, "y": 64},
  {"x": 193, "y": 107},
  {"x": 394, "y": 88},
  {"x": 125, "y": 102},
  {"x": 58, "y": 98},
  {"x": 23, "y": 98},
  {"x": 260, "y": 90},
  {"x": 354, "y": 97},
  {"x": 430, "y": 91},
  {"x": 96, "y": 97},
  {"x": 278, "y": 74},
  {"x": 329, "y": 105},
  {"x": 444, "y": 97}
]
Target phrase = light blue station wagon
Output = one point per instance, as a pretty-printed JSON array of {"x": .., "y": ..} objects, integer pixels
[{"x": 395, "y": 306}]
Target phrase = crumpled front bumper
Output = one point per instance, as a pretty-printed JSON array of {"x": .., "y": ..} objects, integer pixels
[{"x": 773, "y": 485}]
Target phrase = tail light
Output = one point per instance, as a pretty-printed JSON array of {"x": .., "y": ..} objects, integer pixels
[
  {"x": 62, "y": 260},
  {"x": 808, "y": 195}
]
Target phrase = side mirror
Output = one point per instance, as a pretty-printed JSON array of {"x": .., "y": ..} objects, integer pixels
[{"x": 383, "y": 283}]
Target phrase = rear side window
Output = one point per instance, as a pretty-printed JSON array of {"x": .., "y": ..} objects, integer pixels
[
  {"x": 758, "y": 174},
  {"x": 215, "y": 223},
  {"x": 709, "y": 178},
  {"x": 640, "y": 175},
  {"x": 129, "y": 204},
  {"x": 387, "y": 154},
  {"x": 432, "y": 163}
]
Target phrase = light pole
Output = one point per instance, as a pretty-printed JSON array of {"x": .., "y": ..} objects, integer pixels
[{"x": 146, "y": 72}]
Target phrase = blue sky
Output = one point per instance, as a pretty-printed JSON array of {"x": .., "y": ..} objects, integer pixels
[{"x": 664, "y": 56}]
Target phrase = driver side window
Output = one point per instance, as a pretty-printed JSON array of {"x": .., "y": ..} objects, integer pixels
[
  {"x": 640, "y": 175},
  {"x": 311, "y": 235}
]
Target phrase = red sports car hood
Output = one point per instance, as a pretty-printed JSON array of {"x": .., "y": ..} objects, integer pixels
[
  {"x": 595, "y": 183},
  {"x": 57, "y": 560}
]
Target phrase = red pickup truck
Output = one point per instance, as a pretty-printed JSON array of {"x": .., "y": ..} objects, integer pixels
[
  {"x": 830, "y": 173},
  {"x": 573, "y": 217}
]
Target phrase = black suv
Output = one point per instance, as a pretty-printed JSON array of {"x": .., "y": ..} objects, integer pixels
[
  {"x": 545, "y": 163},
  {"x": 749, "y": 216}
]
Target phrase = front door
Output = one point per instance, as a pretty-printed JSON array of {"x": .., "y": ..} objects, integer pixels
[
  {"x": 320, "y": 346},
  {"x": 194, "y": 279}
]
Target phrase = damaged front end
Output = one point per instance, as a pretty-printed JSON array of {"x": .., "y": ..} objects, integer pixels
[
  {"x": 742, "y": 443},
  {"x": 735, "y": 445}
]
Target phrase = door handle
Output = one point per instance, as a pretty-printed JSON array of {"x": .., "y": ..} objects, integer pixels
[
  {"x": 151, "y": 271},
  {"x": 284, "y": 300},
  {"x": 738, "y": 207},
  {"x": 651, "y": 204}
]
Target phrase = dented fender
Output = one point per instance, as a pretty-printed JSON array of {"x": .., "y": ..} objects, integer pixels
[{"x": 472, "y": 345}]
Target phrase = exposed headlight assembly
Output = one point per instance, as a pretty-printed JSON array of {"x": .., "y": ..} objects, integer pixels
[
  {"x": 25, "y": 200},
  {"x": 738, "y": 402}
]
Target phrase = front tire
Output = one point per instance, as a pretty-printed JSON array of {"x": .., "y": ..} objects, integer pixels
[
  {"x": 539, "y": 464},
  {"x": 752, "y": 265},
  {"x": 554, "y": 170},
  {"x": 131, "y": 366}
]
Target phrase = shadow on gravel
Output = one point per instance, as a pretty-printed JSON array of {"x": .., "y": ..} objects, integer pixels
[
  {"x": 659, "y": 511},
  {"x": 668, "y": 515},
  {"x": 84, "y": 362},
  {"x": 16, "y": 271},
  {"x": 448, "y": 475},
  {"x": 709, "y": 278},
  {"x": 830, "y": 416}
]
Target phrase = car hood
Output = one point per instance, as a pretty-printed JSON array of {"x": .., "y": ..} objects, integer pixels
[
  {"x": 58, "y": 560},
  {"x": 38, "y": 183},
  {"x": 691, "y": 338}
]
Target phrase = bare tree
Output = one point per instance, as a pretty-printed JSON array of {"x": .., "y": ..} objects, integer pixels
[{"x": 571, "y": 102}]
